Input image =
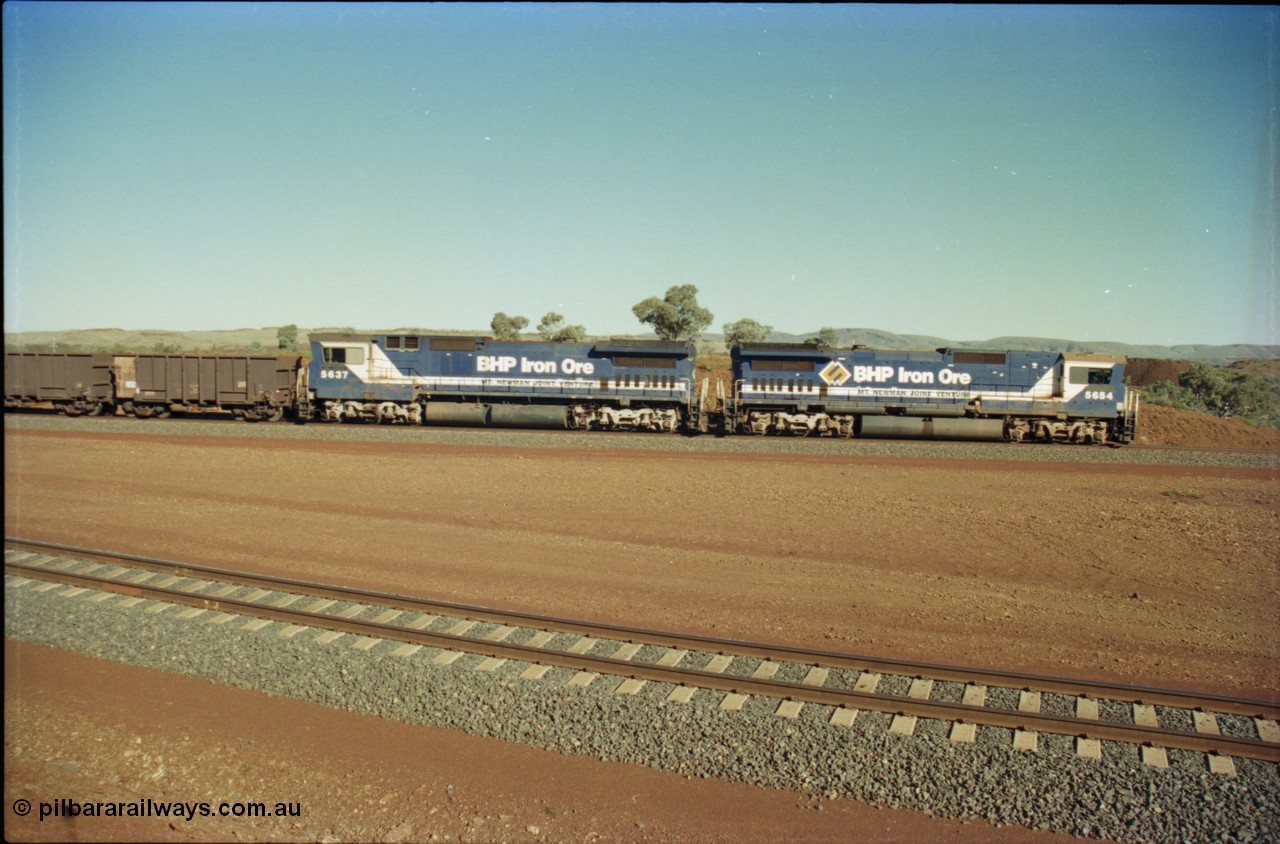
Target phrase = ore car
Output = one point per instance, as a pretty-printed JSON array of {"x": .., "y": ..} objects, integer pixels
[
  {"x": 252, "y": 387},
  {"x": 74, "y": 384},
  {"x": 786, "y": 388},
  {"x": 450, "y": 380}
]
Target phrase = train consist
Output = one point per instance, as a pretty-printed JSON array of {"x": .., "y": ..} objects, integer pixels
[{"x": 635, "y": 385}]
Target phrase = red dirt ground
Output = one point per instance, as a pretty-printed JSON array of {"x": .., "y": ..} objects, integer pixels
[{"x": 1156, "y": 575}]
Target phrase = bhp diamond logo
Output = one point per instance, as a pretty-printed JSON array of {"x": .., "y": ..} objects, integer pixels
[{"x": 834, "y": 373}]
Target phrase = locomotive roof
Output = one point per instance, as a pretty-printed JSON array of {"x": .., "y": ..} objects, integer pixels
[
  {"x": 1094, "y": 357},
  {"x": 643, "y": 347},
  {"x": 806, "y": 349},
  {"x": 366, "y": 337}
]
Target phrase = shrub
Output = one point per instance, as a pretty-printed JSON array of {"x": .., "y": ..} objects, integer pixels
[{"x": 1227, "y": 393}]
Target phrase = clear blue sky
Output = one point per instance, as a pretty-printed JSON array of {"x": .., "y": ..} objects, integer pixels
[{"x": 1093, "y": 173}]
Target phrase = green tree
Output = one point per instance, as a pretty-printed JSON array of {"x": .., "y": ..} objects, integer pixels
[
  {"x": 1222, "y": 392},
  {"x": 507, "y": 328},
  {"x": 827, "y": 338},
  {"x": 287, "y": 337},
  {"x": 1229, "y": 392},
  {"x": 745, "y": 331},
  {"x": 676, "y": 316},
  {"x": 553, "y": 330}
]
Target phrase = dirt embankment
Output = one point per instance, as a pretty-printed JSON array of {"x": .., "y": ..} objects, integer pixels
[
  {"x": 1159, "y": 425},
  {"x": 1168, "y": 426},
  {"x": 1143, "y": 372}
]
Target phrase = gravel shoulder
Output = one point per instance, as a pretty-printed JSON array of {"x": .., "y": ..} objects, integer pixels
[{"x": 77, "y": 727}]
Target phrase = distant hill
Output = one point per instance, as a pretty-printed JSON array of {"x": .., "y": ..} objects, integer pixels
[
  {"x": 171, "y": 342},
  {"x": 264, "y": 340}
]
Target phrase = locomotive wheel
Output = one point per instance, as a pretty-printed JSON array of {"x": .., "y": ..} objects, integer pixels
[
  {"x": 143, "y": 411},
  {"x": 276, "y": 415},
  {"x": 95, "y": 409}
]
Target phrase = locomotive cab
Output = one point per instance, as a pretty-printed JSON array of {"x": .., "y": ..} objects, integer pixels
[{"x": 1088, "y": 374}]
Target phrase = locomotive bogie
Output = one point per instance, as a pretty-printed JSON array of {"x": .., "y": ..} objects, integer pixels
[
  {"x": 613, "y": 418},
  {"x": 802, "y": 424}
]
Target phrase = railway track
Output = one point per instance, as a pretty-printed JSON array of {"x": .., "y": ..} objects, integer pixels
[{"x": 1152, "y": 718}]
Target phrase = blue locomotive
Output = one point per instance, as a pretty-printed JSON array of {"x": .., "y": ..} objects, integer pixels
[
  {"x": 804, "y": 389},
  {"x": 640, "y": 385}
]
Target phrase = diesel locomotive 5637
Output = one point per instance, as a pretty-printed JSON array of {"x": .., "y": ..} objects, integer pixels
[{"x": 635, "y": 385}]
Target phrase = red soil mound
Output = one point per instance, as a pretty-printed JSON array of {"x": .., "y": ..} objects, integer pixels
[
  {"x": 1169, "y": 426},
  {"x": 1143, "y": 372}
]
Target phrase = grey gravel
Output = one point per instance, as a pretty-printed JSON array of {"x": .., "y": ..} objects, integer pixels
[
  {"x": 989, "y": 781},
  {"x": 647, "y": 442}
]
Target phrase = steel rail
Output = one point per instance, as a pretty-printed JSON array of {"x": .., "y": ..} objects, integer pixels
[
  {"x": 848, "y": 698},
  {"x": 1248, "y": 707}
]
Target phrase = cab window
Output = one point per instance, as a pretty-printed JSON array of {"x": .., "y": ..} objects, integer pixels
[
  {"x": 1090, "y": 375},
  {"x": 344, "y": 354}
]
